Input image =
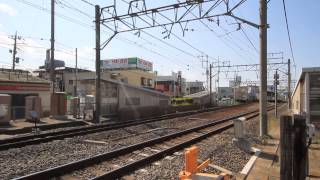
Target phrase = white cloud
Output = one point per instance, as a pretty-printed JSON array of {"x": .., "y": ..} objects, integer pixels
[{"x": 5, "y": 8}]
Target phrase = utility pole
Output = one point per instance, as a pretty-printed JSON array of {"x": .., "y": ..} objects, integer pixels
[
  {"x": 75, "y": 94},
  {"x": 276, "y": 83},
  {"x": 206, "y": 61},
  {"x": 218, "y": 80},
  {"x": 234, "y": 89},
  {"x": 98, "y": 78},
  {"x": 289, "y": 84},
  {"x": 52, "y": 75},
  {"x": 263, "y": 69},
  {"x": 14, "y": 52},
  {"x": 210, "y": 90}
]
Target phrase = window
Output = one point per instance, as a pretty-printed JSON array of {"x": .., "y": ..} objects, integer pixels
[
  {"x": 132, "y": 101},
  {"x": 142, "y": 81},
  {"x": 150, "y": 82},
  {"x": 70, "y": 82}
]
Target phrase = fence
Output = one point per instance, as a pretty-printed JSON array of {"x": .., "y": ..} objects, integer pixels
[{"x": 293, "y": 148}]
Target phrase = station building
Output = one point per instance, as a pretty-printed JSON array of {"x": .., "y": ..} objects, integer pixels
[{"x": 306, "y": 95}]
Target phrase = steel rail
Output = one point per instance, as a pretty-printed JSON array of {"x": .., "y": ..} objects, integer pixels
[
  {"x": 76, "y": 165},
  {"x": 121, "y": 171},
  {"x": 21, "y": 141}
]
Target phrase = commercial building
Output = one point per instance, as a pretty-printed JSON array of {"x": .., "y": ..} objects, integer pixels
[
  {"x": 306, "y": 95},
  {"x": 133, "y": 71},
  {"x": 136, "y": 78},
  {"x": 193, "y": 87},
  {"x": 20, "y": 84},
  {"x": 173, "y": 85}
]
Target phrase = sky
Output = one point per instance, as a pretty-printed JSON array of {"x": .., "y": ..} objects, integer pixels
[{"x": 223, "y": 40}]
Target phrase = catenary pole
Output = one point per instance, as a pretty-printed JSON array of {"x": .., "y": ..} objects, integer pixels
[
  {"x": 52, "y": 78},
  {"x": 98, "y": 78},
  {"x": 263, "y": 69},
  {"x": 289, "y": 83},
  {"x": 210, "y": 90},
  {"x": 14, "y": 52},
  {"x": 276, "y": 77},
  {"x": 76, "y": 74}
]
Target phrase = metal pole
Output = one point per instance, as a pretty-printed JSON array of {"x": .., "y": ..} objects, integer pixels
[
  {"x": 98, "y": 78},
  {"x": 14, "y": 52},
  {"x": 210, "y": 94},
  {"x": 263, "y": 69},
  {"x": 276, "y": 94},
  {"x": 234, "y": 90},
  {"x": 52, "y": 78},
  {"x": 76, "y": 75},
  {"x": 289, "y": 84}
]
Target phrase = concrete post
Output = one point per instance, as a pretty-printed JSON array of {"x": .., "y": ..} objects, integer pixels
[{"x": 263, "y": 69}]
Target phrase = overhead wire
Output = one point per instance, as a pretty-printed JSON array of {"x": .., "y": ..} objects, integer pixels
[
  {"x": 84, "y": 24},
  {"x": 172, "y": 32},
  {"x": 70, "y": 6},
  {"x": 288, "y": 33},
  {"x": 217, "y": 35}
]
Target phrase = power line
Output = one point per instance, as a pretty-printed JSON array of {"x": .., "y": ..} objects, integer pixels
[
  {"x": 87, "y": 2},
  {"x": 216, "y": 34},
  {"x": 288, "y": 32},
  {"x": 171, "y": 32},
  {"x": 69, "y": 19},
  {"x": 70, "y": 6},
  {"x": 88, "y": 26}
]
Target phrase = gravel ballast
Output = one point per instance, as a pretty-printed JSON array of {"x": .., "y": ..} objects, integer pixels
[{"x": 21, "y": 161}]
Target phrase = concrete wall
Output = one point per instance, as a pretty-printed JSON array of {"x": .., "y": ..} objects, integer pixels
[
  {"x": 137, "y": 103},
  {"x": 44, "y": 95},
  {"x": 146, "y": 99}
]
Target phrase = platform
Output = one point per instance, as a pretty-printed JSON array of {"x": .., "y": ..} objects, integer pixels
[
  {"x": 267, "y": 165},
  {"x": 21, "y": 126}
]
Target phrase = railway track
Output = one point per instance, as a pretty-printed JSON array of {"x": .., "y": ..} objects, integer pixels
[
  {"x": 147, "y": 151},
  {"x": 47, "y": 136},
  {"x": 25, "y": 140}
]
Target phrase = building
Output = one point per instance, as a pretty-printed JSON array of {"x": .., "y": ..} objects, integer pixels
[
  {"x": 193, "y": 87},
  {"x": 61, "y": 81},
  {"x": 173, "y": 85},
  {"x": 134, "y": 71},
  {"x": 138, "y": 73},
  {"x": 125, "y": 100},
  {"x": 135, "y": 77},
  {"x": 202, "y": 98},
  {"x": 138, "y": 78},
  {"x": 225, "y": 92},
  {"x": 20, "y": 84},
  {"x": 306, "y": 95}
]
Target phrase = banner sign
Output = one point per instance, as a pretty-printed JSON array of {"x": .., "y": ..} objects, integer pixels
[{"x": 127, "y": 63}]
